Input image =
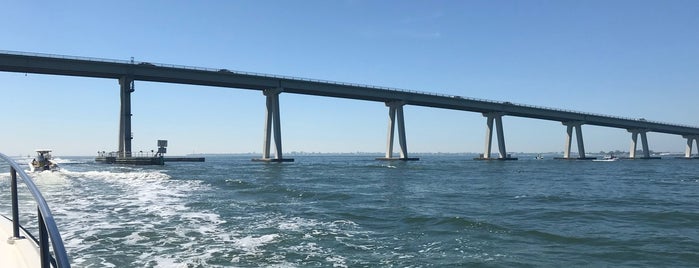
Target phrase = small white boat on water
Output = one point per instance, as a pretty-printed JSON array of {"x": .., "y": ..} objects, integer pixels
[
  {"x": 43, "y": 161},
  {"x": 607, "y": 158}
]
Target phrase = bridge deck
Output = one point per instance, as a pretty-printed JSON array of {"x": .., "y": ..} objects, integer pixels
[{"x": 144, "y": 71}]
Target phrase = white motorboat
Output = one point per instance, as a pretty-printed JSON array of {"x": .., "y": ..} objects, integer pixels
[
  {"x": 607, "y": 158},
  {"x": 43, "y": 161}
]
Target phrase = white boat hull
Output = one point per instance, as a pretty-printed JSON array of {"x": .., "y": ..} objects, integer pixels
[{"x": 22, "y": 252}]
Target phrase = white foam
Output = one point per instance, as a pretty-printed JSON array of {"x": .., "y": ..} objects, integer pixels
[
  {"x": 251, "y": 244},
  {"x": 135, "y": 201},
  {"x": 119, "y": 209},
  {"x": 167, "y": 262},
  {"x": 296, "y": 224},
  {"x": 45, "y": 178},
  {"x": 338, "y": 261},
  {"x": 133, "y": 239},
  {"x": 58, "y": 160},
  {"x": 137, "y": 176}
]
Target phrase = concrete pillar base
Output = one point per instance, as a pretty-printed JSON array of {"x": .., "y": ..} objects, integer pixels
[
  {"x": 690, "y": 143},
  {"x": 272, "y": 128},
  {"x": 497, "y": 119},
  {"x": 126, "y": 85},
  {"x": 688, "y": 158},
  {"x": 273, "y": 160},
  {"x": 577, "y": 126},
  {"x": 398, "y": 159},
  {"x": 395, "y": 111}
]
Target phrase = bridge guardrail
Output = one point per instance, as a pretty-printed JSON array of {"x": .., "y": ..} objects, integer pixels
[
  {"x": 231, "y": 71},
  {"x": 48, "y": 231},
  {"x": 604, "y": 115},
  {"x": 332, "y": 82}
]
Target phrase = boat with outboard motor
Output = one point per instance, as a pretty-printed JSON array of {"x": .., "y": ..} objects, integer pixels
[
  {"x": 43, "y": 161},
  {"x": 22, "y": 249}
]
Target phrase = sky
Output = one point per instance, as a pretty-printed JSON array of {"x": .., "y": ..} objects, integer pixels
[{"x": 636, "y": 59}]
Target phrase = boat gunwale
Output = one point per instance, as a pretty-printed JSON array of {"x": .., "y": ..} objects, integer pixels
[{"x": 44, "y": 212}]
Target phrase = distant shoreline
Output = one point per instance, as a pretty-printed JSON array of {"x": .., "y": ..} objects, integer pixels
[
  {"x": 619, "y": 153},
  {"x": 420, "y": 153}
]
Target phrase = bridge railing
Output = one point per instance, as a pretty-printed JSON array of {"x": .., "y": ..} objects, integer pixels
[
  {"x": 602, "y": 115},
  {"x": 226, "y": 70},
  {"x": 48, "y": 231},
  {"x": 334, "y": 83}
]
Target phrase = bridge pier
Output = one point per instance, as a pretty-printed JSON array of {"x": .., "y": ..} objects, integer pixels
[
  {"x": 126, "y": 88},
  {"x": 497, "y": 117},
  {"x": 569, "y": 138},
  {"x": 396, "y": 108},
  {"x": 690, "y": 142},
  {"x": 272, "y": 124},
  {"x": 644, "y": 144}
]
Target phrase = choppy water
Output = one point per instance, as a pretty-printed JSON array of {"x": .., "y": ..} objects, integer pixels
[{"x": 353, "y": 211}]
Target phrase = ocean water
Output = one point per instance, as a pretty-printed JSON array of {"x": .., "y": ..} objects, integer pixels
[{"x": 353, "y": 211}]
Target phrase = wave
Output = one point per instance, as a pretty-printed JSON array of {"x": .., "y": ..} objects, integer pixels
[
  {"x": 59, "y": 160},
  {"x": 141, "y": 214},
  {"x": 149, "y": 217},
  {"x": 453, "y": 224},
  {"x": 120, "y": 177}
]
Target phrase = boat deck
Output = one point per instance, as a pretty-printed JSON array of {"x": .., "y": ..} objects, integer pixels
[{"x": 22, "y": 253}]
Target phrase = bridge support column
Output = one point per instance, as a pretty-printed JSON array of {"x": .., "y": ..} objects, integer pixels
[
  {"x": 569, "y": 140},
  {"x": 396, "y": 108},
  {"x": 644, "y": 144},
  {"x": 272, "y": 124},
  {"x": 497, "y": 118},
  {"x": 690, "y": 142},
  {"x": 126, "y": 88}
]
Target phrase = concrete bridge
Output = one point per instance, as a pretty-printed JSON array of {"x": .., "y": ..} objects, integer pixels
[{"x": 126, "y": 72}]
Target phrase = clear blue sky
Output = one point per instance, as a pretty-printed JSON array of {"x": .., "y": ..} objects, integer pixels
[{"x": 625, "y": 58}]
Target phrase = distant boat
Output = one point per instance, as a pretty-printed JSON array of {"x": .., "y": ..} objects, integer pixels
[
  {"x": 539, "y": 157},
  {"x": 607, "y": 158},
  {"x": 43, "y": 161}
]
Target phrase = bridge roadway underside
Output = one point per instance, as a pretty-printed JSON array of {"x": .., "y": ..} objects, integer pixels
[{"x": 143, "y": 71}]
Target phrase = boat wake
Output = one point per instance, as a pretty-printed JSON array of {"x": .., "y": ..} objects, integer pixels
[
  {"x": 140, "y": 215},
  {"x": 130, "y": 217}
]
